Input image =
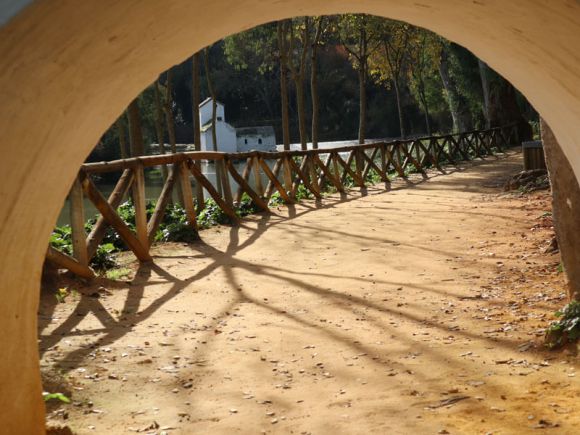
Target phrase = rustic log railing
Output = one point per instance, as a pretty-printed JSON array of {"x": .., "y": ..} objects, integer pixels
[{"x": 313, "y": 169}]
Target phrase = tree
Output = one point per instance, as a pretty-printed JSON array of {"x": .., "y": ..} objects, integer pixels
[
  {"x": 357, "y": 36},
  {"x": 195, "y": 101},
  {"x": 168, "y": 109},
  {"x": 457, "y": 102},
  {"x": 283, "y": 49},
  {"x": 212, "y": 94},
  {"x": 159, "y": 125},
  {"x": 120, "y": 124},
  {"x": 389, "y": 61},
  {"x": 297, "y": 31},
  {"x": 502, "y": 105},
  {"x": 483, "y": 72},
  {"x": 137, "y": 146},
  {"x": 259, "y": 59},
  {"x": 424, "y": 52},
  {"x": 319, "y": 24}
]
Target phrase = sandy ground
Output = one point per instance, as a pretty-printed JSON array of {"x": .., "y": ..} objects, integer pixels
[{"x": 415, "y": 311}]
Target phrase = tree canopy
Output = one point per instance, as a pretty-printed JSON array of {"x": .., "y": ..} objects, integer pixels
[{"x": 370, "y": 77}]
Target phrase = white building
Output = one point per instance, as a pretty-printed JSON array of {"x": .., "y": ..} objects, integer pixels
[
  {"x": 225, "y": 133},
  {"x": 256, "y": 138},
  {"x": 230, "y": 139}
]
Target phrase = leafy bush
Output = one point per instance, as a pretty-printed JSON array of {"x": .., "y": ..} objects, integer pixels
[
  {"x": 567, "y": 328},
  {"x": 103, "y": 258},
  {"x": 246, "y": 206},
  {"x": 373, "y": 177},
  {"x": 211, "y": 215},
  {"x": 302, "y": 193},
  {"x": 275, "y": 200},
  {"x": 61, "y": 239},
  {"x": 177, "y": 232}
]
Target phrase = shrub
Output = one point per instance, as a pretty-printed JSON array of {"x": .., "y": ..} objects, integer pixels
[
  {"x": 567, "y": 328},
  {"x": 246, "y": 206}
]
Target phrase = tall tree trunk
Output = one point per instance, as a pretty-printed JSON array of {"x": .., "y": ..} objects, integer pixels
[
  {"x": 159, "y": 126},
  {"x": 213, "y": 101},
  {"x": 196, "y": 99},
  {"x": 565, "y": 208},
  {"x": 170, "y": 123},
  {"x": 122, "y": 136},
  {"x": 169, "y": 112},
  {"x": 485, "y": 90},
  {"x": 425, "y": 110},
  {"x": 135, "y": 133},
  {"x": 504, "y": 108},
  {"x": 314, "y": 95},
  {"x": 283, "y": 49},
  {"x": 362, "y": 120},
  {"x": 301, "y": 107},
  {"x": 213, "y": 114},
  {"x": 362, "y": 81},
  {"x": 449, "y": 89},
  {"x": 399, "y": 108}
]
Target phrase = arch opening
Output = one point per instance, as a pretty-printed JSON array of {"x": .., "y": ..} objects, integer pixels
[{"x": 69, "y": 69}]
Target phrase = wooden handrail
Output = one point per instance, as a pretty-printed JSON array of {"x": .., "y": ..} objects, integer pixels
[
  {"x": 166, "y": 159},
  {"x": 299, "y": 168}
]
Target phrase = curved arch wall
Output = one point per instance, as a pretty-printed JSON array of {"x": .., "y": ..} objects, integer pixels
[{"x": 68, "y": 68}]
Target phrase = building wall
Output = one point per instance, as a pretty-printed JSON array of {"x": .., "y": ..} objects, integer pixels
[
  {"x": 205, "y": 113},
  {"x": 226, "y": 138},
  {"x": 268, "y": 143}
]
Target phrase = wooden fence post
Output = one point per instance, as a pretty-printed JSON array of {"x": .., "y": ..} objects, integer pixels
[
  {"x": 140, "y": 206},
  {"x": 287, "y": 176},
  {"x": 77, "y": 223},
  {"x": 257, "y": 177},
  {"x": 187, "y": 194},
  {"x": 227, "y": 187},
  {"x": 359, "y": 165},
  {"x": 199, "y": 195}
]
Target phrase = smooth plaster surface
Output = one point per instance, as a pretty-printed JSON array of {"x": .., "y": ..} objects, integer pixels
[{"x": 68, "y": 68}]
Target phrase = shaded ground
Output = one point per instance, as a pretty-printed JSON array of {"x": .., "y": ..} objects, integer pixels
[{"x": 420, "y": 310}]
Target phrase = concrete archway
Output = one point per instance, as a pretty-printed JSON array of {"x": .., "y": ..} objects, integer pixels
[{"x": 68, "y": 68}]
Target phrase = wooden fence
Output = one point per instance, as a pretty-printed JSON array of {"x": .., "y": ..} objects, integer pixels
[{"x": 313, "y": 169}]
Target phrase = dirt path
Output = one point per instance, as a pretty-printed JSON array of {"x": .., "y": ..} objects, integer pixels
[{"x": 417, "y": 311}]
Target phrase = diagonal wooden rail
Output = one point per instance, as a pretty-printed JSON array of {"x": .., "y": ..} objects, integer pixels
[{"x": 310, "y": 170}]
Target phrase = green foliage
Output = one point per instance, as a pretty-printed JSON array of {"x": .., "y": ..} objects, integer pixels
[
  {"x": 103, "y": 258},
  {"x": 302, "y": 193},
  {"x": 211, "y": 215},
  {"x": 61, "y": 239},
  {"x": 117, "y": 274},
  {"x": 174, "y": 227},
  {"x": 253, "y": 49},
  {"x": 178, "y": 232},
  {"x": 58, "y": 396},
  {"x": 410, "y": 169},
  {"x": 567, "y": 328},
  {"x": 373, "y": 177},
  {"x": 61, "y": 295},
  {"x": 276, "y": 200},
  {"x": 246, "y": 206}
]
